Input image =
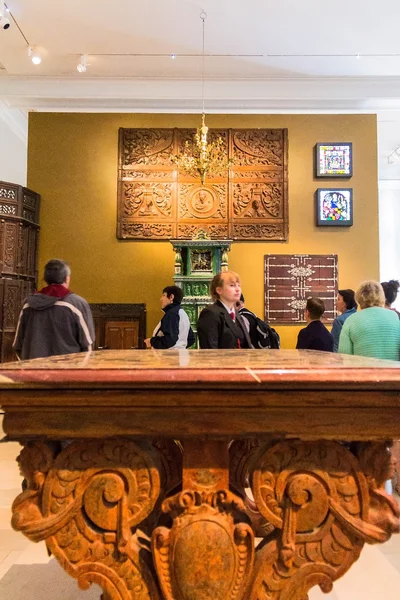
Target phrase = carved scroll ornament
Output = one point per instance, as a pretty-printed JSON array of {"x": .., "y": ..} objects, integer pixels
[
  {"x": 87, "y": 503},
  {"x": 97, "y": 504}
]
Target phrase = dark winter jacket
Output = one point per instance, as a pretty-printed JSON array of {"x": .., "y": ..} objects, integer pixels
[
  {"x": 173, "y": 331},
  {"x": 53, "y": 321},
  {"x": 315, "y": 337}
]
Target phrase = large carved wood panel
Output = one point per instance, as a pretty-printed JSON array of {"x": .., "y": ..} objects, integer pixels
[
  {"x": 292, "y": 278},
  {"x": 247, "y": 202},
  {"x": 19, "y": 237}
]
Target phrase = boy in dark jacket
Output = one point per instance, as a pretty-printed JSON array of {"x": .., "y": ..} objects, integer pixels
[
  {"x": 173, "y": 331},
  {"x": 315, "y": 336}
]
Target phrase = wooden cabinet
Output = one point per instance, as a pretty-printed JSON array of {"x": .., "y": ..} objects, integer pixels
[
  {"x": 122, "y": 335},
  {"x": 119, "y": 326},
  {"x": 19, "y": 237}
]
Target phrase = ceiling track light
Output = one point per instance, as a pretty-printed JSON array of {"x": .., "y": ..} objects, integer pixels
[
  {"x": 82, "y": 65},
  {"x": 4, "y": 20},
  {"x": 394, "y": 157},
  {"x": 34, "y": 55}
]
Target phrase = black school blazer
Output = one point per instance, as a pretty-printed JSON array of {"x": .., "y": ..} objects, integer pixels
[{"x": 216, "y": 329}]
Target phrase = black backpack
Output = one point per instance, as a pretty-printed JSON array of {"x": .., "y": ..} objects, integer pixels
[
  {"x": 191, "y": 338},
  {"x": 262, "y": 335}
]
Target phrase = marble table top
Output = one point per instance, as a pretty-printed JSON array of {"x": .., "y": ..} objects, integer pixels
[{"x": 174, "y": 367}]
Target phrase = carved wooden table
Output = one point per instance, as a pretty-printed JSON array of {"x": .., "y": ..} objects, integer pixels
[{"x": 121, "y": 502}]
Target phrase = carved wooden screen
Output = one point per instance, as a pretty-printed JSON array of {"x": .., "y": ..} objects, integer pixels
[
  {"x": 156, "y": 202},
  {"x": 292, "y": 278},
  {"x": 19, "y": 236}
]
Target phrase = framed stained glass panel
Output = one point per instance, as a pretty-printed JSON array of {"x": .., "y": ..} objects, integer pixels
[
  {"x": 334, "y": 207},
  {"x": 334, "y": 159}
]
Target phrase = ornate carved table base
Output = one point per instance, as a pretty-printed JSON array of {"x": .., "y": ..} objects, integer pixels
[{"x": 132, "y": 518}]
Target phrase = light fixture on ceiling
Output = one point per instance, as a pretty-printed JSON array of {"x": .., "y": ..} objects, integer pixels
[
  {"x": 4, "y": 20},
  {"x": 394, "y": 157},
  {"x": 202, "y": 156},
  {"x": 82, "y": 65},
  {"x": 34, "y": 55}
]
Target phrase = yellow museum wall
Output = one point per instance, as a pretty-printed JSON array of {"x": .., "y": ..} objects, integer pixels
[{"x": 72, "y": 163}]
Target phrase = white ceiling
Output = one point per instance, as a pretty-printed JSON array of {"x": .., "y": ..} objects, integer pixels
[
  {"x": 261, "y": 56},
  {"x": 283, "y": 38}
]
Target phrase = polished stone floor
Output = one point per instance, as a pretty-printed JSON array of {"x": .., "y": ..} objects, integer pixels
[{"x": 27, "y": 573}]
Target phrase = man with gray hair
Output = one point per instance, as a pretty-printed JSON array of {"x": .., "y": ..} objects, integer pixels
[{"x": 54, "y": 320}]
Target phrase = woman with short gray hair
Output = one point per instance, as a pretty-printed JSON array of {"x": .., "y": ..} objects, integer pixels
[
  {"x": 373, "y": 331},
  {"x": 370, "y": 293}
]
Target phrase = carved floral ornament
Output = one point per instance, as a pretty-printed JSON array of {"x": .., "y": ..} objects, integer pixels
[{"x": 112, "y": 513}]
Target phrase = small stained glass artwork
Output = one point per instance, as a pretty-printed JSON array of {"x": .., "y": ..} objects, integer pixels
[
  {"x": 334, "y": 207},
  {"x": 334, "y": 159}
]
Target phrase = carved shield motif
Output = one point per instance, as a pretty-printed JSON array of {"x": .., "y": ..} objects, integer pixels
[{"x": 205, "y": 555}]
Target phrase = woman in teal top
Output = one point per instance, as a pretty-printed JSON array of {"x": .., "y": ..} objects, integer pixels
[
  {"x": 373, "y": 331},
  {"x": 345, "y": 304}
]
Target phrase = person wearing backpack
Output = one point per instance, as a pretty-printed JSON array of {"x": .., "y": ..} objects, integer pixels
[
  {"x": 261, "y": 334},
  {"x": 219, "y": 326}
]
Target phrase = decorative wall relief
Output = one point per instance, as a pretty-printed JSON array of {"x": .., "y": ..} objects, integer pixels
[
  {"x": 247, "y": 202},
  {"x": 292, "y": 278}
]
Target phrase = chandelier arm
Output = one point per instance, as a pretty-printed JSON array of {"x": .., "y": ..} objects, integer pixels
[
  {"x": 203, "y": 17},
  {"x": 202, "y": 157}
]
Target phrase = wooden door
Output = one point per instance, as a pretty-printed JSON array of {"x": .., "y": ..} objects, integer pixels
[{"x": 122, "y": 335}]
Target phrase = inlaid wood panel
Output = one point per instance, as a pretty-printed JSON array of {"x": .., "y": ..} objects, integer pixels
[{"x": 292, "y": 278}]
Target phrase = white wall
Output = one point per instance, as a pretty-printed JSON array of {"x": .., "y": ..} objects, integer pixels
[
  {"x": 13, "y": 145},
  {"x": 389, "y": 231}
]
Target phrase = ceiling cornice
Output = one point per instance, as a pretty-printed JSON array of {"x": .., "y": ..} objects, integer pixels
[{"x": 295, "y": 95}]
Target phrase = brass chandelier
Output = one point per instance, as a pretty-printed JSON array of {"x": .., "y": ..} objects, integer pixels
[{"x": 201, "y": 156}]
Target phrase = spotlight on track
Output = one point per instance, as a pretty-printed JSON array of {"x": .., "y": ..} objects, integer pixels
[
  {"x": 34, "y": 55},
  {"x": 82, "y": 66},
  {"x": 4, "y": 20}
]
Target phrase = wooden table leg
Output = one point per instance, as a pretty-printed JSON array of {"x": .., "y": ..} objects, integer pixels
[
  {"x": 208, "y": 551},
  {"x": 396, "y": 456},
  {"x": 325, "y": 502},
  {"x": 86, "y": 501},
  {"x": 97, "y": 504}
]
